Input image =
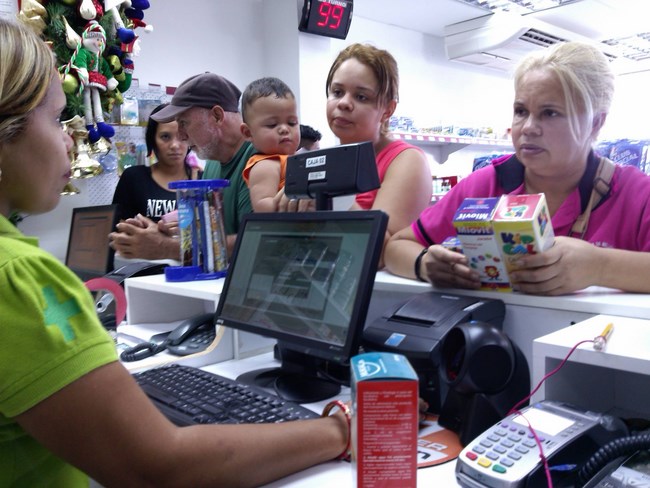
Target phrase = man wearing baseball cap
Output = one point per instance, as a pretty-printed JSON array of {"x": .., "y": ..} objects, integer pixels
[
  {"x": 205, "y": 90},
  {"x": 206, "y": 107}
]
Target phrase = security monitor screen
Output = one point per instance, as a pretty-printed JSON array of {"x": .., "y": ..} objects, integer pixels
[{"x": 298, "y": 278}]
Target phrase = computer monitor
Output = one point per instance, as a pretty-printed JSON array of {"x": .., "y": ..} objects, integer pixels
[
  {"x": 304, "y": 279},
  {"x": 89, "y": 254}
]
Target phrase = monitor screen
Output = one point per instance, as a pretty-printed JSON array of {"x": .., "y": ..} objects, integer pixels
[
  {"x": 304, "y": 279},
  {"x": 89, "y": 254}
]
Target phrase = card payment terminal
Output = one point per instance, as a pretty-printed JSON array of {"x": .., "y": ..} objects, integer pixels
[{"x": 507, "y": 454}]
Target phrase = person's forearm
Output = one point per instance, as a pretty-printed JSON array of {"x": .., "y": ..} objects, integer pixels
[
  {"x": 381, "y": 264},
  {"x": 266, "y": 204},
  {"x": 624, "y": 270},
  {"x": 275, "y": 450},
  {"x": 170, "y": 248},
  {"x": 400, "y": 255}
]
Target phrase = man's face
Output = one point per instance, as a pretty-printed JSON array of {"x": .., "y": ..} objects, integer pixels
[{"x": 198, "y": 127}]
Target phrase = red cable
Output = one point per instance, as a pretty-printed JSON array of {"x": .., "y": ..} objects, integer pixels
[{"x": 515, "y": 410}]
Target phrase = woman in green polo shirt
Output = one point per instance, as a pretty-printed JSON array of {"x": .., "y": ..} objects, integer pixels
[{"x": 68, "y": 408}]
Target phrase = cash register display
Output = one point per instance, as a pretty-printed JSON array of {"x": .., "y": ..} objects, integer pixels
[{"x": 305, "y": 280}]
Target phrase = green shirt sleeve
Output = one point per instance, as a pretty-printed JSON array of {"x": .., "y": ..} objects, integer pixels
[{"x": 49, "y": 330}]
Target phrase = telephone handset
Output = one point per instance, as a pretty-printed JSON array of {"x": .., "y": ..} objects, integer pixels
[
  {"x": 192, "y": 335},
  {"x": 507, "y": 454},
  {"x": 189, "y": 337},
  {"x": 622, "y": 463}
]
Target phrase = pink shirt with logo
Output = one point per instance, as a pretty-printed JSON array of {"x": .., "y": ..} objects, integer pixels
[{"x": 621, "y": 220}]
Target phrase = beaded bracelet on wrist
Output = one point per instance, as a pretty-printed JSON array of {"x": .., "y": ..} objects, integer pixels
[{"x": 348, "y": 416}]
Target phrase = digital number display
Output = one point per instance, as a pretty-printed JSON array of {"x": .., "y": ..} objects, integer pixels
[{"x": 330, "y": 18}]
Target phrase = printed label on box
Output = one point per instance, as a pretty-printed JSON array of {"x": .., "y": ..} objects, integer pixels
[
  {"x": 385, "y": 421},
  {"x": 522, "y": 225},
  {"x": 473, "y": 223}
]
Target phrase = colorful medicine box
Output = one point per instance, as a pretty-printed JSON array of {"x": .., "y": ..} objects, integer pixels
[
  {"x": 474, "y": 229},
  {"x": 522, "y": 225},
  {"x": 384, "y": 421}
]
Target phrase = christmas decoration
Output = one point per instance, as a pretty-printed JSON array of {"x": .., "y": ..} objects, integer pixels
[
  {"x": 33, "y": 14},
  {"x": 70, "y": 84},
  {"x": 70, "y": 189},
  {"x": 82, "y": 165},
  {"x": 95, "y": 76},
  {"x": 105, "y": 34}
]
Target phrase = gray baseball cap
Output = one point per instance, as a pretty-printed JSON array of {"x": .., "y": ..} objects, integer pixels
[{"x": 204, "y": 90}]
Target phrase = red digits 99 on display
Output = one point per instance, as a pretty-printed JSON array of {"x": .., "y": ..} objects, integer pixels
[{"x": 330, "y": 18}]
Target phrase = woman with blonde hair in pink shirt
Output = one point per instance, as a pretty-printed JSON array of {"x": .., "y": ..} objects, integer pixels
[{"x": 562, "y": 98}]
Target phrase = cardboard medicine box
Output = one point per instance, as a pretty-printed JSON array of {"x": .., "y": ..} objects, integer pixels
[
  {"x": 522, "y": 225},
  {"x": 474, "y": 228},
  {"x": 385, "y": 420}
]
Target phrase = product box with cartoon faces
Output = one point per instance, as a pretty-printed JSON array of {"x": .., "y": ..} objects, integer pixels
[
  {"x": 474, "y": 228},
  {"x": 522, "y": 225}
]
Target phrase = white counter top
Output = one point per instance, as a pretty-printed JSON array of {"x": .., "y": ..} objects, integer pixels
[{"x": 595, "y": 300}]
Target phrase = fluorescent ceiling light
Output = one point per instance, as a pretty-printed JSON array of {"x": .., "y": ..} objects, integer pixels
[
  {"x": 635, "y": 47},
  {"x": 517, "y": 6}
]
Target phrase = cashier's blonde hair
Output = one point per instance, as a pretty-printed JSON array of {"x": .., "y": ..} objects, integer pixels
[
  {"x": 587, "y": 82},
  {"x": 26, "y": 68}
]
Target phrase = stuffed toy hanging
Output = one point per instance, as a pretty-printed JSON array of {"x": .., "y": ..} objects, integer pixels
[
  {"x": 128, "y": 48},
  {"x": 136, "y": 11},
  {"x": 95, "y": 76},
  {"x": 90, "y": 9}
]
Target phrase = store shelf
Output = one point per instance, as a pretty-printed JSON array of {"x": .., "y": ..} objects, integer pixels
[{"x": 441, "y": 146}]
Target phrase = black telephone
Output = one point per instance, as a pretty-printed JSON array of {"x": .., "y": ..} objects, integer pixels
[
  {"x": 189, "y": 337},
  {"x": 622, "y": 463}
]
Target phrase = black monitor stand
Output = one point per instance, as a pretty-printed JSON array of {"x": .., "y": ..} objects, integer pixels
[
  {"x": 323, "y": 201},
  {"x": 297, "y": 379}
]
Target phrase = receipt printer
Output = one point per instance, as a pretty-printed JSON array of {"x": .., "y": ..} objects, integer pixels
[{"x": 416, "y": 327}]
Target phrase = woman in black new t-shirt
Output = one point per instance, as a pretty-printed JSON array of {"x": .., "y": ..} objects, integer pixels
[{"x": 144, "y": 189}]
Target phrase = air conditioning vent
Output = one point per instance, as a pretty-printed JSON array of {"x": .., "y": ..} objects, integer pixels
[
  {"x": 501, "y": 39},
  {"x": 540, "y": 38}
]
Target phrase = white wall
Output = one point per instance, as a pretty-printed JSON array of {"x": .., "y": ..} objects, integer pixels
[
  {"x": 247, "y": 39},
  {"x": 630, "y": 108},
  {"x": 192, "y": 36}
]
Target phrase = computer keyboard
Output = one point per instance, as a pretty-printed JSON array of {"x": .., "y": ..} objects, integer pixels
[{"x": 188, "y": 396}]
